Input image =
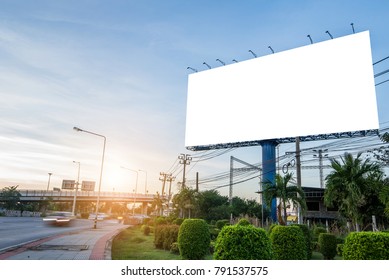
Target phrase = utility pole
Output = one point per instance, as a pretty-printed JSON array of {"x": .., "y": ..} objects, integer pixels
[
  {"x": 298, "y": 165},
  {"x": 320, "y": 156},
  {"x": 197, "y": 181},
  {"x": 170, "y": 179},
  {"x": 163, "y": 178},
  {"x": 185, "y": 160}
]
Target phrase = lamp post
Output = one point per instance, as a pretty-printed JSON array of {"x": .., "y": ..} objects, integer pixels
[
  {"x": 75, "y": 192},
  {"x": 48, "y": 182},
  {"x": 101, "y": 171},
  {"x": 136, "y": 187}
]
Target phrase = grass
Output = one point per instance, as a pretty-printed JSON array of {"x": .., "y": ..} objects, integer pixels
[{"x": 132, "y": 244}]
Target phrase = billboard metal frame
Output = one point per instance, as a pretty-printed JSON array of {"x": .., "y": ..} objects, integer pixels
[{"x": 319, "y": 137}]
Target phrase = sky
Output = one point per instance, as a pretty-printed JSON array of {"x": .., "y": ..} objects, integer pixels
[{"x": 120, "y": 69}]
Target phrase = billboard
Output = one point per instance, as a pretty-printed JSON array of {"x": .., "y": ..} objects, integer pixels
[
  {"x": 68, "y": 184},
  {"x": 88, "y": 186},
  {"x": 322, "y": 88}
]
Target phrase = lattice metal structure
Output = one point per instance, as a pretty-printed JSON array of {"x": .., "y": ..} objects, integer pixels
[{"x": 319, "y": 137}]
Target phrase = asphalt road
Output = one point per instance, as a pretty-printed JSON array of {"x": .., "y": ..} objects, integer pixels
[{"x": 16, "y": 231}]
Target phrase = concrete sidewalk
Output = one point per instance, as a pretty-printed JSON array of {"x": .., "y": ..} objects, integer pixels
[{"x": 87, "y": 244}]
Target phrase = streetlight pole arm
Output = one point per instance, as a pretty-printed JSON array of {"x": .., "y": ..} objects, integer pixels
[
  {"x": 86, "y": 131},
  {"x": 101, "y": 170}
]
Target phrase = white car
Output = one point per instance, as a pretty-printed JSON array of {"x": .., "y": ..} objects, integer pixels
[{"x": 59, "y": 218}]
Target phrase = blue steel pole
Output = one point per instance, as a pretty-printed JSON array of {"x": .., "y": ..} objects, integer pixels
[{"x": 269, "y": 170}]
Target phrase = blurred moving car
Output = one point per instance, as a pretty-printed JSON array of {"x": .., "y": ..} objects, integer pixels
[
  {"x": 135, "y": 219},
  {"x": 59, "y": 218},
  {"x": 100, "y": 216}
]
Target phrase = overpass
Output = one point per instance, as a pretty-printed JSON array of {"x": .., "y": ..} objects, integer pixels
[{"x": 84, "y": 196}]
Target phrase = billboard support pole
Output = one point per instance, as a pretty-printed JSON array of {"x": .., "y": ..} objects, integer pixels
[{"x": 269, "y": 170}]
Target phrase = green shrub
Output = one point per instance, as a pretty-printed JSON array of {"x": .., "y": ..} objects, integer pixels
[
  {"x": 170, "y": 236},
  {"x": 317, "y": 231},
  {"x": 214, "y": 231},
  {"x": 288, "y": 243},
  {"x": 159, "y": 233},
  {"x": 366, "y": 246},
  {"x": 194, "y": 239},
  {"x": 327, "y": 245},
  {"x": 315, "y": 246},
  {"x": 340, "y": 240},
  {"x": 243, "y": 222},
  {"x": 174, "y": 248},
  {"x": 272, "y": 226},
  {"x": 178, "y": 221},
  {"x": 160, "y": 221},
  {"x": 147, "y": 221},
  {"x": 212, "y": 247},
  {"x": 339, "y": 249},
  {"x": 308, "y": 239},
  {"x": 145, "y": 229},
  {"x": 221, "y": 223},
  {"x": 242, "y": 243},
  {"x": 165, "y": 235}
]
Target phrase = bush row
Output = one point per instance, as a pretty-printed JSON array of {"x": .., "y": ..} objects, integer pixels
[{"x": 246, "y": 242}]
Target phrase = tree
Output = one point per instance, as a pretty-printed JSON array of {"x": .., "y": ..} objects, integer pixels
[
  {"x": 382, "y": 155},
  {"x": 254, "y": 209},
  {"x": 212, "y": 206},
  {"x": 285, "y": 192},
  {"x": 11, "y": 196},
  {"x": 185, "y": 201},
  {"x": 157, "y": 204},
  {"x": 384, "y": 196},
  {"x": 348, "y": 184},
  {"x": 238, "y": 206}
]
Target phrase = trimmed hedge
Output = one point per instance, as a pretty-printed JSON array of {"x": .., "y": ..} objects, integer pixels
[
  {"x": 288, "y": 243},
  {"x": 178, "y": 221},
  {"x": 308, "y": 239},
  {"x": 243, "y": 222},
  {"x": 194, "y": 239},
  {"x": 145, "y": 229},
  {"x": 242, "y": 242},
  {"x": 165, "y": 236},
  {"x": 317, "y": 231},
  {"x": 366, "y": 246},
  {"x": 221, "y": 223},
  {"x": 327, "y": 245}
]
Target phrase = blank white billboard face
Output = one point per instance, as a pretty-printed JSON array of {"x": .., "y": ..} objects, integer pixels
[{"x": 322, "y": 88}]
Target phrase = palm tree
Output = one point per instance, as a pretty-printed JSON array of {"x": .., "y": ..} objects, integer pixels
[
  {"x": 185, "y": 199},
  {"x": 157, "y": 204},
  {"x": 285, "y": 192},
  {"x": 384, "y": 196},
  {"x": 346, "y": 184}
]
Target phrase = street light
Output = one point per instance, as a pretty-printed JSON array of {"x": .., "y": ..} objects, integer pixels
[
  {"x": 75, "y": 193},
  {"x": 48, "y": 183},
  {"x": 136, "y": 187},
  {"x": 101, "y": 171}
]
